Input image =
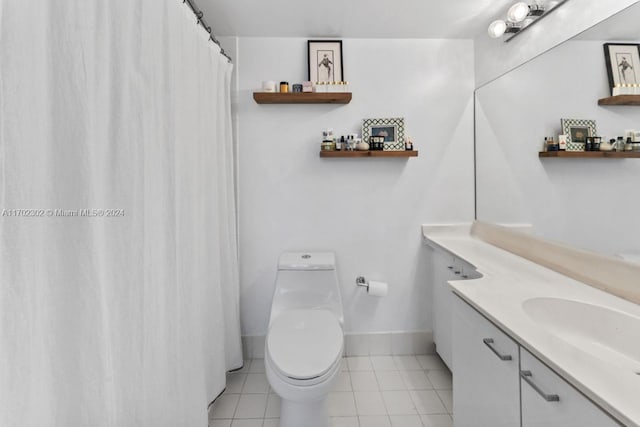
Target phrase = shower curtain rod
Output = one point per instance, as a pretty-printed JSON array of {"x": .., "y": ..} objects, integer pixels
[{"x": 200, "y": 15}]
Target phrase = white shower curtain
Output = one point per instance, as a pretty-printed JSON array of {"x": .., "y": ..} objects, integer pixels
[{"x": 118, "y": 266}]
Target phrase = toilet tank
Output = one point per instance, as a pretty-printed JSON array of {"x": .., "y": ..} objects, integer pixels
[{"x": 307, "y": 280}]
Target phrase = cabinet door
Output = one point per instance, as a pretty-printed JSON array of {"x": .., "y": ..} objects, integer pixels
[
  {"x": 444, "y": 265},
  {"x": 549, "y": 401},
  {"x": 486, "y": 387}
]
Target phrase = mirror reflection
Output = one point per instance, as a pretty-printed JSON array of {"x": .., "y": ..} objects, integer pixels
[{"x": 587, "y": 202}]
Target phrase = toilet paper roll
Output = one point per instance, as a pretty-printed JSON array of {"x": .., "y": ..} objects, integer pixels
[{"x": 378, "y": 289}]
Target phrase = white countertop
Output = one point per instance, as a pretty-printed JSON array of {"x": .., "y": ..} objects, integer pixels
[{"x": 509, "y": 280}]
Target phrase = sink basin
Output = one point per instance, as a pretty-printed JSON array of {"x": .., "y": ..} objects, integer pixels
[{"x": 608, "y": 334}]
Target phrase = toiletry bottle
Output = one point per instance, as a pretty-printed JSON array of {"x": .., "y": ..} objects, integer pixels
[
  {"x": 620, "y": 144},
  {"x": 628, "y": 146},
  {"x": 349, "y": 143},
  {"x": 562, "y": 142},
  {"x": 408, "y": 145},
  {"x": 340, "y": 143},
  {"x": 588, "y": 146}
]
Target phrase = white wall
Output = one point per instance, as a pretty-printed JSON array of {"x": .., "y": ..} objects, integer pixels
[
  {"x": 494, "y": 57},
  {"x": 588, "y": 203},
  {"x": 368, "y": 211}
]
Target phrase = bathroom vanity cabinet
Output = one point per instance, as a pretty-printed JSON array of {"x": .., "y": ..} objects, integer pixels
[
  {"x": 497, "y": 382},
  {"x": 446, "y": 267},
  {"x": 485, "y": 380},
  {"x": 523, "y": 333}
]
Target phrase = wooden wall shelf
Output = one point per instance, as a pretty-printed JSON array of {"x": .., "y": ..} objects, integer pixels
[
  {"x": 302, "y": 97},
  {"x": 620, "y": 100},
  {"x": 412, "y": 153},
  {"x": 592, "y": 154}
]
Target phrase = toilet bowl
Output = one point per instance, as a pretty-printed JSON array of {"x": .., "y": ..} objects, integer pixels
[{"x": 305, "y": 341}]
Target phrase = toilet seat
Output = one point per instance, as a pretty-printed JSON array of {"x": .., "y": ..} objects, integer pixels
[{"x": 304, "y": 344}]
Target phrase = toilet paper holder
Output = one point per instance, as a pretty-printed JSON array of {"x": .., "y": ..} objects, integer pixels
[
  {"x": 374, "y": 289},
  {"x": 361, "y": 281}
]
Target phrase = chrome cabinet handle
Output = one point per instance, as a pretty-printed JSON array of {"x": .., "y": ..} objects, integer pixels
[
  {"x": 488, "y": 342},
  {"x": 526, "y": 375}
]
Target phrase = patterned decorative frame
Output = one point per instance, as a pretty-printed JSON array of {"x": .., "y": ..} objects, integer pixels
[
  {"x": 394, "y": 142},
  {"x": 569, "y": 128}
]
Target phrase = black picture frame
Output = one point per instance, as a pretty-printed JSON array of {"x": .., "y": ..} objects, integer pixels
[
  {"x": 618, "y": 73},
  {"x": 324, "y": 58}
]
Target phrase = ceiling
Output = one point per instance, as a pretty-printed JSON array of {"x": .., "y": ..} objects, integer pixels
[{"x": 458, "y": 19}]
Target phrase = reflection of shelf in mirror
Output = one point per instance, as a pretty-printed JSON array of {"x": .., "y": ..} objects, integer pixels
[
  {"x": 620, "y": 100},
  {"x": 411, "y": 153},
  {"x": 302, "y": 97},
  {"x": 592, "y": 154}
]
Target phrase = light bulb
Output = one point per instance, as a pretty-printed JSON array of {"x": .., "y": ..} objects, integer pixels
[
  {"x": 518, "y": 12},
  {"x": 497, "y": 28}
]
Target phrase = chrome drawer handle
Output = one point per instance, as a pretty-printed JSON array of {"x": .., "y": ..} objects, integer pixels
[
  {"x": 488, "y": 342},
  {"x": 526, "y": 375}
]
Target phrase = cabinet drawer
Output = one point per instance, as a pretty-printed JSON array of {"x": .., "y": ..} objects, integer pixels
[{"x": 549, "y": 401}]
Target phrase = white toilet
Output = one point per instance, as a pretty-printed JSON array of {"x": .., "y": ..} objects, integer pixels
[{"x": 304, "y": 344}]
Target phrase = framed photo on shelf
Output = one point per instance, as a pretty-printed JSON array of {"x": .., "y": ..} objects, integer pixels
[
  {"x": 623, "y": 63},
  {"x": 325, "y": 60},
  {"x": 577, "y": 131},
  {"x": 391, "y": 129}
]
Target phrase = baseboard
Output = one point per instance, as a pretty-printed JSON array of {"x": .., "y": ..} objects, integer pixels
[{"x": 366, "y": 344}]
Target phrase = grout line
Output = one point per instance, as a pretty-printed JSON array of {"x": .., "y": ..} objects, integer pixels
[{"x": 357, "y": 416}]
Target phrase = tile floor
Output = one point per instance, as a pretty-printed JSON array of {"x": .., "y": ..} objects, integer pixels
[{"x": 370, "y": 391}]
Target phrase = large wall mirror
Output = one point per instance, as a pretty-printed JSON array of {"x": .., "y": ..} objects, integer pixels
[{"x": 592, "y": 204}]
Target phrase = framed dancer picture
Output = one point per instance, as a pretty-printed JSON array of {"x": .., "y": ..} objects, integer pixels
[
  {"x": 325, "y": 60},
  {"x": 623, "y": 63}
]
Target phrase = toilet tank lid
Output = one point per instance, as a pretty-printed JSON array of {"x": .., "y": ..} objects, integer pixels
[{"x": 307, "y": 261}]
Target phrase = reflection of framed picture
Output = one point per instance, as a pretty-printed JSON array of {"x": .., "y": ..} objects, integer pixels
[
  {"x": 623, "y": 63},
  {"x": 391, "y": 129},
  {"x": 577, "y": 131},
  {"x": 325, "y": 61}
]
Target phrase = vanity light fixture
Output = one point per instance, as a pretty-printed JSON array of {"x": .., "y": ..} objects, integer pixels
[
  {"x": 518, "y": 12},
  {"x": 521, "y": 16}
]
